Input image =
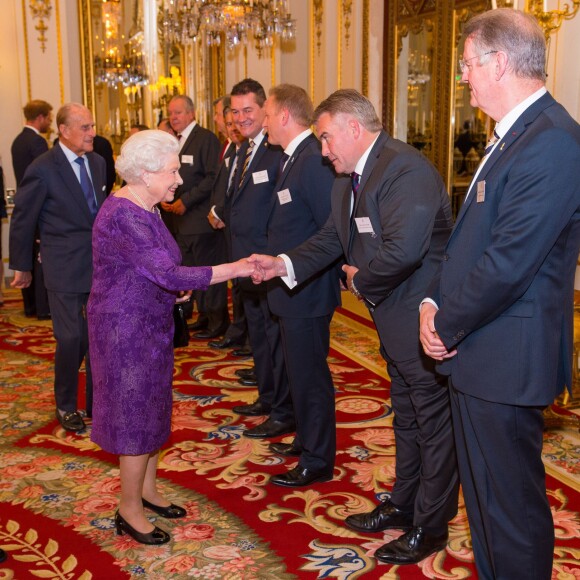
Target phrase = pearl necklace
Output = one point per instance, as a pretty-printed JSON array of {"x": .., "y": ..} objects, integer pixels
[{"x": 154, "y": 209}]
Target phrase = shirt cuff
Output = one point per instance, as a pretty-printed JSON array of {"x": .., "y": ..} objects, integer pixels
[
  {"x": 428, "y": 301},
  {"x": 290, "y": 278},
  {"x": 214, "y": 214}
]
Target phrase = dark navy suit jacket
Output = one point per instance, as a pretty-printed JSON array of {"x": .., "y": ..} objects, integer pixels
[
  {"x": 199, "y": 157},
  {"x": 50, "y": 197},
  {"x": 248, "y": 208},
  {"x": 301, "y": 207},
  {"x": 506, "y": 285},
  {"x": 407, "y": 205},
  {"x": 27, "y": 146}
]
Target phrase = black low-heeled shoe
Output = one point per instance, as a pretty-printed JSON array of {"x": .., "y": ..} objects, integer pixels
[
  {"x": 171, "y": 511},
  {"x": 156, "y": 537}
]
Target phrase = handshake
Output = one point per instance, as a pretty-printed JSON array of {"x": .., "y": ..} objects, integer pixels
[{"x": 259, "y": 268}]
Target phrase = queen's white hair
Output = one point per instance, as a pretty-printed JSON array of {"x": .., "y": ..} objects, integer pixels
[{"x": 145, "y": 151}]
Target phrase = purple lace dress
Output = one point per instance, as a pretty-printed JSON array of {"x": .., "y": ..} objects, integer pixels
[{"x": 136, "y": 276}]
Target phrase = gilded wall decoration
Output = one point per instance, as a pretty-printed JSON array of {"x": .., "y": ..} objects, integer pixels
[{"x": 40, "y": 10}]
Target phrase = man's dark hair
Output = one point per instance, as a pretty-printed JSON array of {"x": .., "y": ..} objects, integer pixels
[{"x": 248, "y": 86}]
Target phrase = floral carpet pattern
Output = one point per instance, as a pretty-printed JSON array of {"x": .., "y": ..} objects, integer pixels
[{"x": 59, "y": 491}]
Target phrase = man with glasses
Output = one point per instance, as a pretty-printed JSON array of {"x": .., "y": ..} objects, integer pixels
[{"x": 499, "y": 313}]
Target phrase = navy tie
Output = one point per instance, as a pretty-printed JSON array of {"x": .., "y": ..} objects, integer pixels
[
  {"x": 87, "y": 186},
  {"x": 283, "y": 160},
  {"x": 355, "y": 178}
]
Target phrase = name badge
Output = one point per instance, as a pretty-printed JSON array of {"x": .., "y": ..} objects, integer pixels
[
  {"x": 284, "y": 196},
  {"x": 480, "y": 191},
  {"x": 227, "y": 162},
  {"x": 260, "y": 177},
  {"x": 188, "y": 159},
  {"x": 364, "y": 226}
]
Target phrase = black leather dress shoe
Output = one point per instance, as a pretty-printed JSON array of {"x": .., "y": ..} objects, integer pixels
[
  {"x": 170, "y": 512},
  {"x": 299, "y": 477},
  {"x": 44, "y": 317},
  {"x": 246, "y": 373},
  {"x": 242, "y": 352},
  {"x": 285, "y": 449},
  {"x": 254, "y": 410},
  {"x": 197, "y": 325},
  {"x": 205, "y": 334},
  {"x": 411, "y": 547},
  {"x": 153, "y": 538},
  {"x": 270, "y": 428},
  {"x": 2, "y": 555},
  {"x": 224, "y": 343},
  {"x": 71, "y": 421},
  {"x": 248, "y": 382},
  {"x": 384, "y": 517}
]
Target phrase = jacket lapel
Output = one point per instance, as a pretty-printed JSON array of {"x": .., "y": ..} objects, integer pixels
[
  {"x": 69, "y": 178},
  {"x": 98, "y": 185},
  {"x": 514, "y": 133},
  {"x": 259, "y": 153}
]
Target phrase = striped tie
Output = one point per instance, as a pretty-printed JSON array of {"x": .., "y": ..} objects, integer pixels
[
  {"x": 247, "y": 159},
  {"x": 492, "y": 141}
]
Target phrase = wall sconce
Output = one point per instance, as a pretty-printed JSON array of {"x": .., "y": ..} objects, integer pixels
[{"x": 551, "y": 20}]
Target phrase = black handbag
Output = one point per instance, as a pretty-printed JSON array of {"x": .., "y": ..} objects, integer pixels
[{"x": 181, "y": 334}]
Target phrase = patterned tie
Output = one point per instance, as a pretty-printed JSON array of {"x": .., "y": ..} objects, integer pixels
[
  {"x": 247, "y": 159},
  {"x": 492, "y": 141},
  {"x": 233, "y": 171},
  {"x": 283, "y": 161},
  {"x": 87, "y": 186},
  {"x": 355, "y": 178}
]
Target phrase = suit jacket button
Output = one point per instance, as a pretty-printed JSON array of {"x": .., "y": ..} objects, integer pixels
[{"x": 445, "y": 257}]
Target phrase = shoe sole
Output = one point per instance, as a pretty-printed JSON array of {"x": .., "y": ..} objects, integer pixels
[
  {"x": 378, "y": 530},
  {"x": 317, "y": 480},
  {"x": 394, "y": 560},
  {"x": 267, "y": 435}
]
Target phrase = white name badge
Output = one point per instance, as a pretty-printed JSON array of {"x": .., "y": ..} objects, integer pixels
[
  {"x": 227, "y": 162},
  {"x": 260, "y": 177},
  {"x": 187, "y": 159},
  {"x": 480, "y": 191},
  {"x": 363, "y": 225},
  {"x": 284, "y": 196}
]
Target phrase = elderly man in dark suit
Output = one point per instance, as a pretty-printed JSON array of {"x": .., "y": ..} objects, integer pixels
[
  {"x": 390, "y": 219},
  {"x": 186, "y": 216},
  {"x": 28, "y": 145},
  {"x": 60, "y": 195},
  {"x": 504, "y": 293},
  {"x": 301, "y": 207},
  {"x": 248, "y": 206}
]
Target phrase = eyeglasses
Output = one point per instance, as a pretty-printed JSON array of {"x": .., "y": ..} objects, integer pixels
[{"x": 463, "y": 64}]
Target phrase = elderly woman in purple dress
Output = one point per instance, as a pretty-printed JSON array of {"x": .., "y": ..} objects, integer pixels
[{"x": 136, "y": 281}]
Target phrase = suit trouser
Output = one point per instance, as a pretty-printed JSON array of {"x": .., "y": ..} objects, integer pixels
[
  {"x": 427, "y": 481},
  {"x": 264, "y": 333},
  {"x": 207, "y": 250},
  {"x": 69, "y": 324},
  {"x": 306, "y": 342},
  {"x": 499, "y": 449},
  {"x": 40, "y": 293}
]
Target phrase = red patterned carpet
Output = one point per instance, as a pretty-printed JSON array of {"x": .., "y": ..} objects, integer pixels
[{"x": 58, "y": 491}]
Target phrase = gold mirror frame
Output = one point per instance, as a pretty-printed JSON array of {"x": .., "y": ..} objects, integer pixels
[{"x": 445, "y": 19}]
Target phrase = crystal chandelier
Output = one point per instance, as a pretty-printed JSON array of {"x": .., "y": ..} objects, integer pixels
[
  {"x": 117, "y": 60},
  {"x": 235, "y": 21}
]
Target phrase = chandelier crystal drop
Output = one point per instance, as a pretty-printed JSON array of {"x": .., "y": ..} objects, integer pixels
[{"x": 232, "y": 21}]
